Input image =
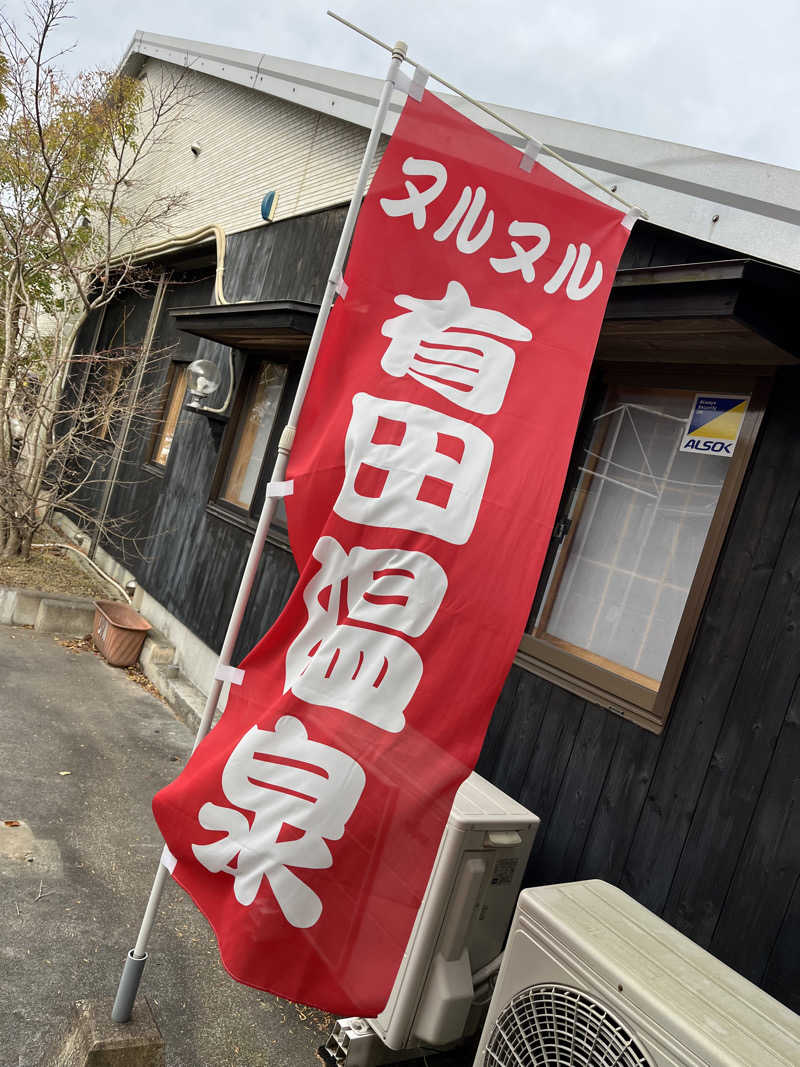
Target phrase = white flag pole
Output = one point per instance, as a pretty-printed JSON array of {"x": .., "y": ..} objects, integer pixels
[{"x": 137, "y": 957}]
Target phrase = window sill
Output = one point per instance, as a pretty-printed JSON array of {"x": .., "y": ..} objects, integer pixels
[
  {"x": 615, "y": 693},
  {"x": 244, "y": 521},
  {"x": 232, "y": 515},
  {"x": 155, "y": 468}
]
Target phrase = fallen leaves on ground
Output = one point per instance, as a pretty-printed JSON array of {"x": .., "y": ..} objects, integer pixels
[
  {"x": 135, "y": 673},
  {"x": 141, "y": 679},
  {"x": 53, "y": 570},
  {"x": 78, "y": 644}
]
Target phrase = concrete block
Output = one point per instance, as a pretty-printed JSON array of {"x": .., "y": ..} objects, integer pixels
[
  {"x": 64, "y": 617},
  {"x": 186, "y": 702},
  {"x": 26, "y": 608},
  {"x": 91, "y": 1039},
  {"x": 157, "y": 649},
  {"x": 8, "y": 602}
]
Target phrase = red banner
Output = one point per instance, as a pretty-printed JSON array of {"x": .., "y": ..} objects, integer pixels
[{"x": 429, "y": 462}]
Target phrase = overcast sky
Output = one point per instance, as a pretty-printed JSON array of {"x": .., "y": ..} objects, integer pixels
[{"x": 716, "y": 74}]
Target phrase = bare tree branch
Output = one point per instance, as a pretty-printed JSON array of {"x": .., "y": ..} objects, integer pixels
[{"x": 70, "y": 238}]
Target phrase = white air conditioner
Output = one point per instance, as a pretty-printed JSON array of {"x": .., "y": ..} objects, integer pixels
[
  {"x": 590, "y": 978},
  {"x": 444, "y": 980}
]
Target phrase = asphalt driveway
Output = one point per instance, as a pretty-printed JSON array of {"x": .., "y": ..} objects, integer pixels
[{"x": 82, "y": 751}]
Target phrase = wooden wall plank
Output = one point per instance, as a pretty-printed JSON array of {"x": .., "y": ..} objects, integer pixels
[
  {"x": 542, "y": 784},
  {"x": 248, "y": 257},
  {"x": 287, "y": 260},
  {"x": 304, "y": 252},
  {"x": 639, "y": 250},
  {"x": 735, "y": 598},
  {"x": 500, "y": 729},
  {"x": 519, "y": 742},
  {"x": 567, "y": 828},
  {"x": 619, "y": 804},
  {"x": 742, "y": 754},
  {"x": 781, "y": 978},
  {"x": 768, "y": 865},
  {"x": 655, "y": 246},
  {"x": 276, "y": 579}
]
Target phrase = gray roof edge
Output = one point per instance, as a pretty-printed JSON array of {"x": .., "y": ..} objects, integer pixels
[{"x": 738, "y": 203}]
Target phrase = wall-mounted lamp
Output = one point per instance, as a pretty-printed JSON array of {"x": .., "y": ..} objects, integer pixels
[
  {"x": 196, "y": 148},
  {"x": 204, "y": 379},
  {"x": 268, "y": 206}
]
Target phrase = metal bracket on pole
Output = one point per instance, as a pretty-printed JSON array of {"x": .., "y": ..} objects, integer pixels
[{"x": 129, "y": 982}]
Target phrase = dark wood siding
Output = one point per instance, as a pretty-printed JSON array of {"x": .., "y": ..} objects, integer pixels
[
  {"x": 189, "y": 559},
  {"x": 701, "y": 824},
  {"x": 654, "y": 246}
]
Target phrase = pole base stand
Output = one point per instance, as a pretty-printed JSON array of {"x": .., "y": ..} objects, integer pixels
[{"x": 90, "y": 1039}]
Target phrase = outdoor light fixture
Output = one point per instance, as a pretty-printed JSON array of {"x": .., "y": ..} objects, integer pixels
[
  {"x": 204, "y": 379},
  {"x": 269, "y": 205}
]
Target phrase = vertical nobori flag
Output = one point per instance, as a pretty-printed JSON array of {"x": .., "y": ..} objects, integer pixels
[{"x": 429, "y": 462}]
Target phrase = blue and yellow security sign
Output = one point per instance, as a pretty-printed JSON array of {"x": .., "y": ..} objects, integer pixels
[{"x": 714, "y": 424}]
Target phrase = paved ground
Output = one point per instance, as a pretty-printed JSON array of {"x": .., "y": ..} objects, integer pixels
[{"x": 69, "y": 915}]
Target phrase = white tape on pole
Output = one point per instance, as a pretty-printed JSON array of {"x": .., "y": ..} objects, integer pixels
[
  {"x": 630, "y": 219},
  {"x": 340, "y": 286},
  {"x": 530, "y": 153},
  {"x": 414, "y": 86},
  {"x": 226, "y": 673},
  {"x": 420, "y": 80},
  {"x": 278, "y": 489}
]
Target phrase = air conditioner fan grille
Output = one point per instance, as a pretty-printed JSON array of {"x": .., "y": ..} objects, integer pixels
[{"x": 555, "y": 1026}]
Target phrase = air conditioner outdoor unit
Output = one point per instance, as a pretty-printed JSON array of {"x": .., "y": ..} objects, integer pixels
[
  {"x": 590, "y": 978},
  {"x": 444, "y": 980}
]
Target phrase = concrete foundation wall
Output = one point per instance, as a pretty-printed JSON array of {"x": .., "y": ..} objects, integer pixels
[{"x": 195, "y": 660}]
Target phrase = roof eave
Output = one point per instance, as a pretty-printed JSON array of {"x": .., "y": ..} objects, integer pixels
[{"x": 734, "y": 203}]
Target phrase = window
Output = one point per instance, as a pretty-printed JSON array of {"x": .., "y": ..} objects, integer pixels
[
  {"x": 634, "y": 549},
  {"x": 105, "y": 395},
  {"x": 175, "y": 393},
  {"x": 119, "y": 343},
  {"x": 255, "y": 424},
  {"x": 250, "y": 445}
]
